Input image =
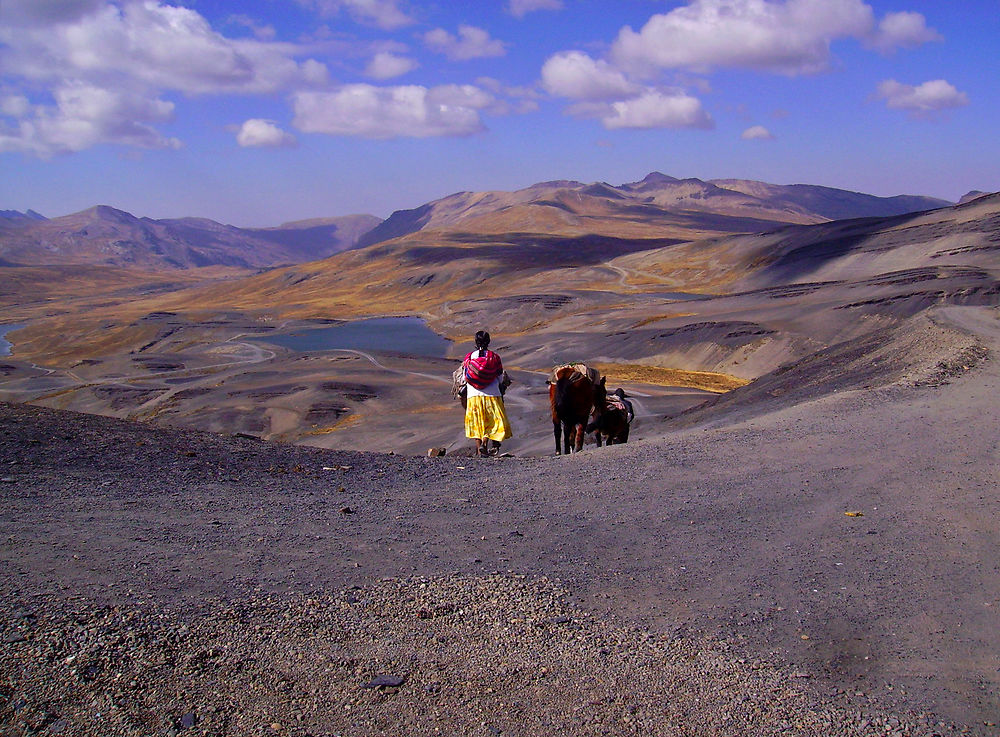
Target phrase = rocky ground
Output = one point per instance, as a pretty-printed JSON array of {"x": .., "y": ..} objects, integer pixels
[{"x": 822, "y": 566}]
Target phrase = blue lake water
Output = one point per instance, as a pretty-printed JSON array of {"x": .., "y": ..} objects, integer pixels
[
  {"x": 5, "y": 345},
  {"x": 409, "y": 335}
]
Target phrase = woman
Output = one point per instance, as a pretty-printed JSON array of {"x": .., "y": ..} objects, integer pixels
[{"x": 485, "y": 417}]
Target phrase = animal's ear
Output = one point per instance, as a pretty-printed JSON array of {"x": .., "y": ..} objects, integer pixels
[{"x": 604, "y": 380}]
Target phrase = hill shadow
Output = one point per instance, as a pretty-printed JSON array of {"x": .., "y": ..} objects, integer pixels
[{"x": 529, "y": 249}]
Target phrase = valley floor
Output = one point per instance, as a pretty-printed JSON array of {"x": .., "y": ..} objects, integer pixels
[{"x": 825, "y": 567}]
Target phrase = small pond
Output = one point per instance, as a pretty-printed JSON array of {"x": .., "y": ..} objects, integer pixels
[
  {"x": 409, "y": 335},
  {"x": 6, "y": 345}
]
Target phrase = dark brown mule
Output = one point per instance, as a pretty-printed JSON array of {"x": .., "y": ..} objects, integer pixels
[
  {"x": 571, "y": 398},
  {"x": 611, "y": 419}
]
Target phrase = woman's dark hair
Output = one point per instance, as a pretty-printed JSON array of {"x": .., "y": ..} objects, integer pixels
[{"x": 482, "y": 340}]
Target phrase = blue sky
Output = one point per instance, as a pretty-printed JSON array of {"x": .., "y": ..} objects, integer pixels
[{"x": 259, "y": 112}]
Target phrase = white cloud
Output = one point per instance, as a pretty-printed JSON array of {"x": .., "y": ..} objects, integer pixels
[
  {"x": 260, "y": 31},
  {"x": 757, "y": 133},
  {"x": 903, "y": 29},
  {"x": 85, "y": 116},
  {"x": 471, "y": 43},
  {"x": 789, "y": 36},
  {"x": 520, "y": 8},
  {"x": 386, "y": 65},
  {"x": 385, "y": 14},
  {"x": 509, "y": 99},
  {"x": 392, "y": 112},
  {"x": 158, "y": 45},
  {"x": 656, "y": 109},
  {"x": 15, "y": 106},
  {"x": 107, "y": 65},
  {"x": 922, "y": 100},
  {"x": 576, "y": 75},
  {"x": 259, "y": 133}
]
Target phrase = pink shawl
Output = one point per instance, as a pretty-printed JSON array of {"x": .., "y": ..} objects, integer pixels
[{"x": 481, "y": 371}]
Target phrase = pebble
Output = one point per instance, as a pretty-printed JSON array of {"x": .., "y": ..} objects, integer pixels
[{"x": 386, "y": 681}]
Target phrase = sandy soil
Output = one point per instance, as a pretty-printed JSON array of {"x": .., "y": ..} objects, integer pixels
[{"x": 825, "y": 553}]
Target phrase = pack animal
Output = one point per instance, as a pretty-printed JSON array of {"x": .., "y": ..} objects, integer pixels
[
  {"x": 612, "y": 416},
  {"x": 571, "y": 399}
]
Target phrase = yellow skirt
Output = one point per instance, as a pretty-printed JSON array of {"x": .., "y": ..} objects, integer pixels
[{"x": 485, "y": 417}]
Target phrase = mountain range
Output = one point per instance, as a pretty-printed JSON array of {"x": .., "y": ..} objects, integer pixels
[
  {"x": 105, "y": 236},
  {"x": 636, "y": 215},
  {"x": 658, "y": 206}
]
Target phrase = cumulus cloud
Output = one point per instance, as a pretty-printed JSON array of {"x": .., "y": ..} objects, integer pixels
[
  {"x": 384, "y": 14},
  {"x": 260, "y": 133},
  {"x": 122, "y": 58},
  {"x": 921, "y": 100},
  {"x": 520, "y": 8},
  {"x": 386, "y": 65},
  {"x": 790, "y": 37},
  {"x": 162, "y": 46},
  {"x": 576, "y": 75},
  {"x": 757, "y": 133},
  {"x": 904, "y": 29},
  {"x": 85, "y": 116},
  {"x": 471, "y": 43},
  {"x": 656, "y": 109},
  {"x": 601, "y": 91},
  {"x": 408, "y": 111}
]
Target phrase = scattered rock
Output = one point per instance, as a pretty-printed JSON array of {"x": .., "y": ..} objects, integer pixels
[
  {"x": 386, "y": 681},
  {"x": 436, "y": 452}
]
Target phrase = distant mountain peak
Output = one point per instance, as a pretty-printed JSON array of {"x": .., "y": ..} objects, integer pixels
[
  {"x": 655, "y": 177},
  {"x": 107, "y": 213},
  {"x": 17, "y": 215},
  {"x": 972, "y": 195}
]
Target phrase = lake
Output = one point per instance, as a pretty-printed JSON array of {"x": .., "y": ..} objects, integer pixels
[
  {"x": 6, "y": 345},
  {"x": 409, "y": 335}
]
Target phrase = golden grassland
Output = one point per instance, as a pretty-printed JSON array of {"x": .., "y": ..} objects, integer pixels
[
  {"x": 354, "y": 284},
  {"x": 708, "y": 381}
]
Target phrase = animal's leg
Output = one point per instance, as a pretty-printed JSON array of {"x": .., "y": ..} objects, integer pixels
[
  {"x": 555, "y": 430},
  {"x": 567, "y": 438}
]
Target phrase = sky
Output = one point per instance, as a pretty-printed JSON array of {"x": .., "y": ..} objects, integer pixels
[{"x": 260, "y": 112}]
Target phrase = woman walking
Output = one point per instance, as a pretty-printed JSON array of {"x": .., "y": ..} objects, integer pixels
[{"x": 485, "y": 417}]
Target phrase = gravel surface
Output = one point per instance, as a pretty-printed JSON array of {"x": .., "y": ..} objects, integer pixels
[
  {"x": 465, "y": 656},
  {"x": 710, "y": 582}
]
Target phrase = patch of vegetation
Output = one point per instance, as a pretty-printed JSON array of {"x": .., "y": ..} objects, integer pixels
[{"x": 708, "y": 381}]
